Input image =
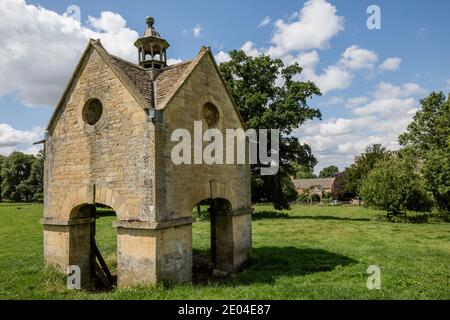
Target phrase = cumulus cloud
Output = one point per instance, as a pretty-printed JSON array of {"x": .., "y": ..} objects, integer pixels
[
  {"x": 250, "y": 49},
  {"x": 390, "y": 64},
  {"x": 173, "y": 61},
  {"x": 387, "y": 90},
  {"x": 378, "y": 118},
  {"x": 264, "y": 22},
  {"x": 300, "y": 37},
  {"x": 356, "y": 102},
  {"x": 314, "y": 26},
  {"x": 222, "y": 57},
  {"x": 40, "y": 48},
  {"x": 12, "y": 139},
  {"x": 334, "y": 101},
  {"x": 356, "y": 58}
]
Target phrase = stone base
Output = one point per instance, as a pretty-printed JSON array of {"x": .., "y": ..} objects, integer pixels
[
  {"x": 67, "y": 243},
  {"x": 148, "y": 252},
  {"x": 233, "y": 241},
  {"x": 147, "y": 256}
]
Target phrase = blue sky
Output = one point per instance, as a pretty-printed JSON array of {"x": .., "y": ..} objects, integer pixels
[{"x": 371, "y": 79}]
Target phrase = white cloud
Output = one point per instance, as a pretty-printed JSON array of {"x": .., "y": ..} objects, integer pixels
[
  {"x": 333, "y": 101},
  {"x": 356, "y": 58},
  {"x": 40, "y": 48},
  {"x": 308, "y": 60},
  {"x": 264, "y": 22},
  {"x": 390, "y": 64},
  {"x": 313, "y": 28},
  {"x": 250, "y": 49},
  {"x": 386, "y": 90},
  {"x": 377, "y": 119},
  {"x": 12, "y": 139},
  {"x": 197, "y": 31},
  {"x": 334, "y": 78},
  {"x": 173, "y": 61},
  {"x": 222, "y": 57},
  {"x": 387, "y": 107},
  {"x": 356, "y": 102}
]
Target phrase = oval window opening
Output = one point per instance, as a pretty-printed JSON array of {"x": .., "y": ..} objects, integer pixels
[
  {"x": 210, "y": 115},
  {"x": 92, "y": 111}
]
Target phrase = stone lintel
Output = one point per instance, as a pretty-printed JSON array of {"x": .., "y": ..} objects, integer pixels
[
  {"x": 65, "y": 222},
  {"x": 152, "y": 225}
]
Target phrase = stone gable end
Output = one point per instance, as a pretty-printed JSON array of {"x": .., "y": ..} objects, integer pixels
[{"x": 112, "y": 155}]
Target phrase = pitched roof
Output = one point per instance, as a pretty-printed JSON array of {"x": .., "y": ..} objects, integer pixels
[
  {"x": 136, "y": 79},
  {"x": 325, "y": 183}
]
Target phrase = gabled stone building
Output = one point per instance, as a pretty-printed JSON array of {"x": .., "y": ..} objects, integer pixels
[
  {"x": 109, "y": 142},
  {"x": 318, "y": 187}
]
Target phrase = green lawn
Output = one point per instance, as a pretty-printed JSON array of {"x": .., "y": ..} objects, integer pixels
[{"x": 308, "y": 253}]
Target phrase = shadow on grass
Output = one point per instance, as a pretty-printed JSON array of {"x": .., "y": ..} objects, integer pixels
[
  {"x": 260, "y": 215},
  {"x": 268, "y": 263}
]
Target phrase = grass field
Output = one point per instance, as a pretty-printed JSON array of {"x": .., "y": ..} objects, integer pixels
[{"x": 307, "y": 253}]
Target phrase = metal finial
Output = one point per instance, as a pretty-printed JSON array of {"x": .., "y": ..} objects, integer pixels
[{"x": 150, "y": 21}]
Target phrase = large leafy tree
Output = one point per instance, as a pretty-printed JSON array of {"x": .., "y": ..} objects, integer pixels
[
  {"x": 329, "y": 172},
  {"x": 303, "y": 171},
  {"x": 395, "y": 186},
  {"x": 351, "y": 179},
  {"x": 15, "y": 172},
  {"x": 269, "y": 97},
  {"x": 428, "y": 138},
  {"x": 36, "y": 178}
]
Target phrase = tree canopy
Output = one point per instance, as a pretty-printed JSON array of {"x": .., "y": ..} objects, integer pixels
[
  {"x": 428, "y": 138},
  {"x": 269, "y": 96},
  {"x": 21, "y": 177},
  {"x": 329, "y": 172},
  {"x": 395, "y": 186},
  {"x": 351, "y": 179}
]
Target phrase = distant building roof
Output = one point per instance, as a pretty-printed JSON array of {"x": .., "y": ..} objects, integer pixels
[{"x": 325, "y": 183}]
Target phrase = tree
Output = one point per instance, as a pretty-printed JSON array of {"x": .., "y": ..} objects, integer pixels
[
  {"x": 2, "y": 161},
  {"x": 329, "y": 172},
  {"x": 35, "y": 181},
  {"x": 428, "y": 138},
  {"x": 265, "y": 105},
  {"x": 338, "y": 190},
  {"x": 15, "y": 172},
  {"x": 354, "y": 175},
  {"x": 303, "y": 171},
  {"x": 395, "y": 186}
]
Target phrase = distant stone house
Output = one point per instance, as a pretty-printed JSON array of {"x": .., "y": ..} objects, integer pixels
[{"x": 317, "y": 187}]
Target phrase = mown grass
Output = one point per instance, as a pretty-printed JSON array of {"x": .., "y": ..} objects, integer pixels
[{"x": 306, "y": 253}]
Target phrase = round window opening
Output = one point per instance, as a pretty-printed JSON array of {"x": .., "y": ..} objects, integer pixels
[
  {"x": 92, "y": 111},
  {"x": 210, "y": 115}
]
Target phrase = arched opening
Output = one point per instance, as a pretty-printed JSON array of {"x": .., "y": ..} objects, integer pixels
[
  {"x": 210, "y": 239},
  {"x": 315, "y": 198},
  {"x": 103, "y": 244}
]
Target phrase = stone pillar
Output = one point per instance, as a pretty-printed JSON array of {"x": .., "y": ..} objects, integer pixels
[
  {"x": 150, "y": 252},
  {"x": 233, "y": 239},
  {"x": 67, "y": 243}
]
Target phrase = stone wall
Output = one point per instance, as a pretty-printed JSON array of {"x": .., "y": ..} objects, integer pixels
[
  {"x": 111, "y": 161},
  {"x": 186, "y": 185}
]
